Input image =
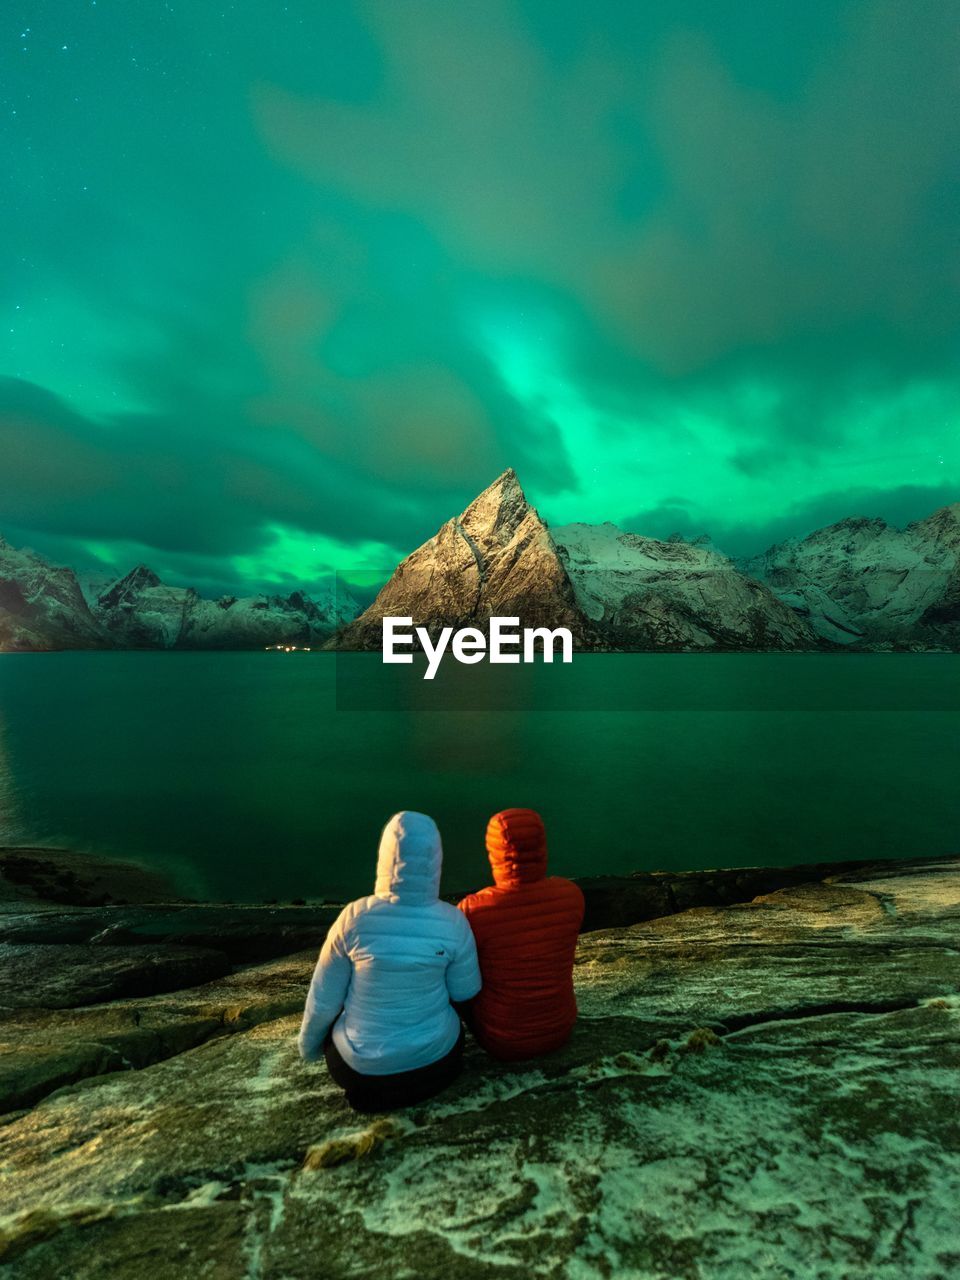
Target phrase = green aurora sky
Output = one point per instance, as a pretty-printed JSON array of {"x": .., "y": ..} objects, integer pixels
[{"x": 285, "y": 284}]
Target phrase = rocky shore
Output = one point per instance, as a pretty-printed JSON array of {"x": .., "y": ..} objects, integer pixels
[{"x": 762, "y": 1083}]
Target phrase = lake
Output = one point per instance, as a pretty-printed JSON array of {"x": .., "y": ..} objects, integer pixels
[{"x": 252, "y": 776}]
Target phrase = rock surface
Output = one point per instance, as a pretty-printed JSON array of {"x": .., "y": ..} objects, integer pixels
[
  {"x": 613, "y": 901},
  {"x": 61, "y": 976},
  {"x": 42, "y": 607},
  {"x": 45, "y": 875},
  {"x": 243, "y": 933},
  {"x": 762, "y": 1090},
  {"x": 42, "y": 1049}
]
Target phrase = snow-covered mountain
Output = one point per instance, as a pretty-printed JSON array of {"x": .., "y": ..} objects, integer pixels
[
  {"x": 42, "y": 607},
  {"x": 614, "y": 590},
  {"x": 862, "y": 582},
  {"x": 640, "y": 593},
  {"x": 141, "y": 612}
]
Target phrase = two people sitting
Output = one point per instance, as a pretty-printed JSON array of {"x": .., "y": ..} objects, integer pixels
[{"x": 400, "y": 968}]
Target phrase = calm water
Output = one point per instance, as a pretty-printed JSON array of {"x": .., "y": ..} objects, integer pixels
[{"x": 251, "y": 776}]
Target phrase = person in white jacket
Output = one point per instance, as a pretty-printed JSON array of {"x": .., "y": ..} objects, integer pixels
[{"x": 380, "y": 1005}]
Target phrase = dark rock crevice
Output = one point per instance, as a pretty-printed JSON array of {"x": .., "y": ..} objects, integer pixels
[{"x": 731, "y": 1025}]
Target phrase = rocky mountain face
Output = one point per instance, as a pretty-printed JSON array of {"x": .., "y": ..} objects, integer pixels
[
  {"x": 42, "y": 607},
  {"x": 496, "y": 559},
  {"x": 614, "y": 590},
  {"x": 862, "y": 582},
  {"x": 639, "y": 593}
]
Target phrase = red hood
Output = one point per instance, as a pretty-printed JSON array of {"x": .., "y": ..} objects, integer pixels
[{"x": 517, "y": 846}]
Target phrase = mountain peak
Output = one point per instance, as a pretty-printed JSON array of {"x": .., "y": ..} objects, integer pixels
[
  {"x": 869, "y": 526},
  {"x": 943, "y": 525},
  {"x": 950, "y": 514},
  {"x": 130, "y": 585},
  {"x": 140, "y": 577},
  {"x": 876, "y": 523},
  {"x": 506, "y": 487},
  {"x": 501, "y": 506},
  {"x": 496, "y": 559}
]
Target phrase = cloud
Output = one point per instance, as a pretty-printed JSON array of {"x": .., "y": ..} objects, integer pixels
[
  {"x": 826, "y": 212},
  {"x": 156, "y": 483},
  {"x": 642, "y": 256},
  {"x": 409, "y": 418},
  {"x": 819, "y": 214},
  {"x": 473, "y": 132}
]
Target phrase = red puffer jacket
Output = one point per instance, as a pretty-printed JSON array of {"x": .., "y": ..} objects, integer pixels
[{"x": 526, "y": 927}]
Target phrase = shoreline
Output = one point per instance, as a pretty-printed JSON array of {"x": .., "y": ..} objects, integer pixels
[
  {"x": 55, "y": 876},
  {"x": 887, "y": 647},
  {"x": 38, "y": 878}
]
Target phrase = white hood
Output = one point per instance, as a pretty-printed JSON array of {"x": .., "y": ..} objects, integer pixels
[{"x": 409, "y": 861}]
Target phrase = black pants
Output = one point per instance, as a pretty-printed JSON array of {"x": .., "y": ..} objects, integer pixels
[{"x": 402, "y": 1089}]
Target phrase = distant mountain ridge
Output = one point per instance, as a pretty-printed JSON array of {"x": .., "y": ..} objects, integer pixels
[
  {"x": 859, "y": 584},
  {"x": 641, "y": 593},
  {"x": 42, "y": 607},
  {"x": 864, "y": 583}
]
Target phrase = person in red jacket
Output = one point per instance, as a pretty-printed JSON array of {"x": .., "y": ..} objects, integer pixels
[{"x": 526, "y": 925}]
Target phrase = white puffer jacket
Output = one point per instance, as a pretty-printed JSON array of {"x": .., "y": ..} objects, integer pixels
[{"x": 392, "y": 963}]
